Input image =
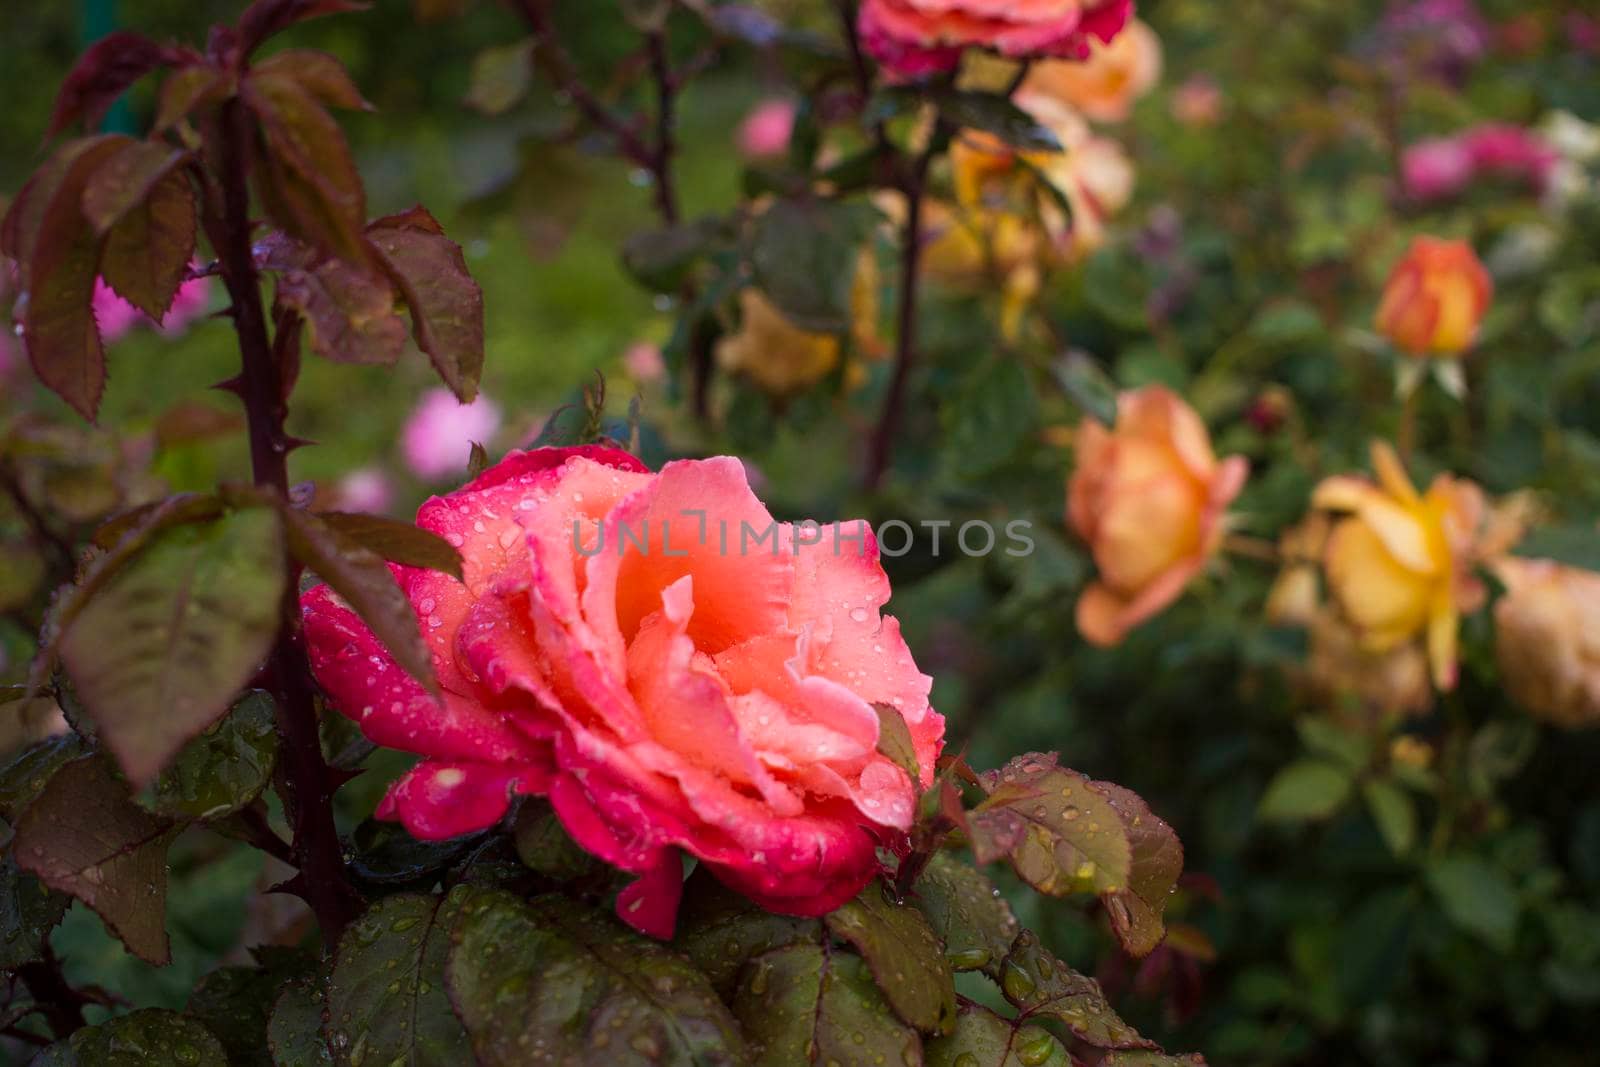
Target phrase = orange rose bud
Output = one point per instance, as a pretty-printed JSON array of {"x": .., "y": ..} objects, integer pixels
[
  {"x": 1149, "y": 496},
  {"x": 1435, "y": 298}
]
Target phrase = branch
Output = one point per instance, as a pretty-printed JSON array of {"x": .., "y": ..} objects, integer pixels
[
  {"x": 665, "y": 146},
  {"x": 40, "y": 526},
  {"x": 59, "y": 1003},
  {"x": 563, "y": 74}
]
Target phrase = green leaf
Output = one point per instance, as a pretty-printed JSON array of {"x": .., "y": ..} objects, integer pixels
[
  {"x": 384, "y": 854},
  {"x": 1305, "y": 790},
  {"x": 153, "y": 1037},
  {"x": 814, "y": 1004},
  {"x": 1042, "y": 987},
  {"x": 308, "y": 179},
  {"x": 988, "y": 417},
  {"x": 235, "y": 1004},
  {"x": 578, "y": 987},
  {"x": 1478, "y": 898},
  {"x": 500, "y": 77},
  {"x": 446, "y": 304},
  {"x": 661, "y": 259},
  {"x": 29, "y": 910},
  {"x": 543, "y": 844},
  {"x": 984, "y": 1039},
  {"x": 58, "y": 254},
  {"x": 1576, "y": 545},
  {"x": 294, "y": 1030},
  {"x": 386, "y": 995},
  {"x": 895, "y": 743},
  {"x": 994, "y": 113},
  {"x": 397, "y": 542},
  {"x": 1394, "y": 813},
  {"x": 83, "y": 836},
  {"x": 160, "y": 651},
  {"x": 364, "y": 581},
  {"x": 1087, "y": 386},
  {"x": 803, "y": 256},
  {"x": 720, "y": 930},
  {"x": 967, "y": 913},
  {"x": 1061, "y": 833},
  {"x": 904, "y": 955},
  {"x": 25, "y": 776},
  {"x": 223, "y": 769},
  {"x": 1327, "y": 739}
]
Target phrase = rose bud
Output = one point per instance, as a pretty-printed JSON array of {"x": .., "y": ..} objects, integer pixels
[{"x": 1435, "y": 298}]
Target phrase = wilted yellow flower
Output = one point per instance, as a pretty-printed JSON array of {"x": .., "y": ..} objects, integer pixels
[
  {"x": 1547, "y": 639},
  {"x": 1341, "y": 667},
  {"x": 1399, "y": 563},
  {"x": 1105, "y": 86}
]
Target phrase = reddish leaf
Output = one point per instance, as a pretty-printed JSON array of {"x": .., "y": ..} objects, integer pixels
[
  {"x": 398, "y": 542},
  {"x": 309, "y": 181},
  {"x": 188, "y": 88},
  {"x": 84, "y": 836},
  {"x": 349, "y": 312},
  {"x": 266, "y": 18},
  {"x": 446, "y": 304},
  {"x": 364, "y": 580},
  {"x": 102, "y": 74},
  {"x": 1042, "y": 987},
  {"x": 1135, "y": 911},
  {"x": 319, "y": 73},
  {"x": 144, "y": 206},
  {"x": 59, "y": 253},
  {"x": 125, "y": 181}
]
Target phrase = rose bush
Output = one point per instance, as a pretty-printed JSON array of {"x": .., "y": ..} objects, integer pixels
[{"x": 669, "y": 685}]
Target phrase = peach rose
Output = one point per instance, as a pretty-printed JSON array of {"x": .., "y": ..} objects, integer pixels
[
  {"x": 672, "y": 668},
  {"x": 1149, "y": 497},
  {"x": 1547, "y": 639},
  {"x": 913, "y": 38},
  {"x": 1105, "y": 86},
  {"x": 1435, "y": 298},
  {"x": 1399, "y": 563}
]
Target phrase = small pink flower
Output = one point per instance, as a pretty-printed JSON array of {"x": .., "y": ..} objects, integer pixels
[
  {"x": 622, "y": 646},
  {"x": 1583, "y": 31},
  {"x": 1436, "y": 169},
  {"x": 1511, "y": 151},
  {"x": 644, "y": 363},
  {"x": 766, "y": 131},
  {"x": 368, "y": 489},
  {"x": 438, "y": 437},
  {"x": 1198, "y": 101},
  {"x": 116, "y": 316},
  {"x": 914, "y": 38}
]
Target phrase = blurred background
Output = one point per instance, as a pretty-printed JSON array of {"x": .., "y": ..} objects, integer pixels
[{"x": 1277, "y": 183}]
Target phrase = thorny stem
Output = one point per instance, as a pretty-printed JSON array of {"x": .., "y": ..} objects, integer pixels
[
  {"x": 305, "y": 780},
  {"x": 59, "y": 1003}
]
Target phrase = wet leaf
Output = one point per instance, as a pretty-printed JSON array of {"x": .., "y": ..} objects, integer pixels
[
  {"x": 967, "y": 913},
  {"x": 719, "y": 930},
  {"x": 29, "y": 910},
  {"x": 294, "y": 1030},
  {"x": 365, "y": 582},
  {"x": 1138, "y": 1058},
  {"x": 24, "y": 777},
  {"x": 153, "y": 1037},
  {"x": 386, "y": 995},
  {"x": 1042, "y": 987},
  {"x": 1060, "y": 833},
  {"x": 235, "y": 1003},
  {"x": 543, "y": 844},
  {"x": 349, "y": 311},
  {"x": 223, "y": 769},
  {"x": 309, "y": 181},
  {"x": 187, "y": 89},
  {"x": 147, "y": 251},
  {"x": 58, "y": 254},
  {"x": 83, "y": 836},
  {"x": 384, "y": 854},
  {"x": 984, "y": 1039},
  {"x": 812, "y": 1004},
  {"x": 446, "y": 304},
  {"x": 159, "y": 652},
  {"x": 1157, "y": 862},
  {"x": 578, "y": 987},
  {"x": 397, "y": 542},
  {"x": 904, "y": 954}
]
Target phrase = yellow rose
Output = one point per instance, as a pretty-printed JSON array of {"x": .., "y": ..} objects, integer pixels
[
  {"x": 1105, "y": 86},
  {"x": 1149, "y": 496},
  {"x": 1547, "y": 639},
  {"x": 1398, "y": 563}
]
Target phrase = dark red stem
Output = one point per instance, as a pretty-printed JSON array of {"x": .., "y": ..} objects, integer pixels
[
  {"x": 59, "y": 1003},
  {"x": 303, "y": 775}
]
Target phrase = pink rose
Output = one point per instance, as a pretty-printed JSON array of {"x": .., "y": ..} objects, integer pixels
[
  {"x": 116, "y": 316},
  {"x": 1511, "y": 151},
  {"x": 766, "y": 131},
  {"x": 367, "y": 489},
  {"x": 438, "y": 437},
  {"x": 1436, "y": 169},
  {"x": 674, "y": 670},
  {"x": 914, "y": 38}
]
